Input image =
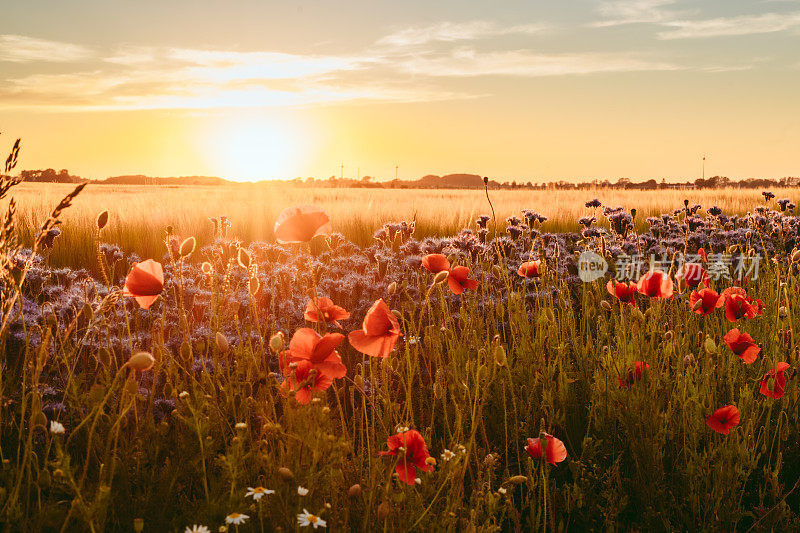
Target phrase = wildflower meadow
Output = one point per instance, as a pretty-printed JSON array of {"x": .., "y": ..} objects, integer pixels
[{"x": 480, "y": 381}]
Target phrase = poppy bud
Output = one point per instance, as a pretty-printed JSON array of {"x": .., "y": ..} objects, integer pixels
[
  {"x": 796, "y": 256},
  {"x": 207, "y": 268},
  {"x": 638, "y": 315},
  {"x": 354, "y": 491},
  {"x": 276, "y": 342},
  {"x": 255, "y": 285},
  {"x": 517, "y": 480},
  {"x": 500, "y": 356},
  {"x": 497, "y": 271},
  {"x": 383, "y": 510},
  {"x": 39, "y": 419},
  {"x": 440, "y": 277},
  {"x": 688, "y": 360},
  {"x": 783, "y": 311},
  {"x": 141, "y": 361},
  {"x": 709, "y": 345},
  {"x": 668, "y": 336},
  {"x": 605, "y": 305},
  {"x": 392, "y": 288},
  {"x": 244, "y": 258},
  {"x": 186, "y": 351},
  {"x": 187, "y": 247},
  {"x": 398, "y": 314},
  {"x": 44, "y": 479},
  {"x": 285, "y": 474},
  {"x": 222, "y": 342},
  {"x": 168, "y": 230},
  {"x": 102, "y": 220},
  {"x": 485, "y": 180}
]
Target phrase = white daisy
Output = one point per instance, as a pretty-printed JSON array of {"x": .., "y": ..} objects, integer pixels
[
  {"x": 197, "y": 529},
  {"x": 56, "y": 428},
  {"x": 236, "y": 519},
  {"x": 501, "y": 490},
  {"x": 302, "y": 491},
  {"x": 306, "y": 519},
  {"x": 241, "y": 425},
  {"x": 258, "y": 492},
  {"x": 447, "y": 455},
  {"x": 418, "y": 481}
]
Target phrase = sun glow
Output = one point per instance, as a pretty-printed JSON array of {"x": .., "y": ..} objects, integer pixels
[{"x": 254, "y": 149}]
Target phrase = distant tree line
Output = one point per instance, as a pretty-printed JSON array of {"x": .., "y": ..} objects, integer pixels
[{"x": 450, "y": 181}]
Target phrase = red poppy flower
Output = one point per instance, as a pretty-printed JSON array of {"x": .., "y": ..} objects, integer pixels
[
  {"x": 145, "y": 282},
  {"x": 410, "y": 447},
  {"x": 530, "y": 269},
  {"x": 634, "y": 374},
  {"x": 325, "y": 307},
  {"x": 301, "y": 224},
  {"x": 693, "y": 274},
  {"x": 379, "y": 332},
  {"x": 624, "y": 292},
  {"x": 723, "y": 419},
  {"x": 303, "y": 379},
  {"x": 704, "y": 301},
  {"x": 742, "y": 345},
  {"x": 774, "y": 382},
  {"x": 458, "y": 280},
  {"x": 737, "y": 305},
  {"x": 307, "y": 345},
  {"x": 436, "y": 263},
  {"x": 703, "y": 255},
  {"x": 554, "y": 449},
  {"x": 656, "y": 284}
]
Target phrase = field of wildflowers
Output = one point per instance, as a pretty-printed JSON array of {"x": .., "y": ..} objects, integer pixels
[{"x": 476, "y": 382}]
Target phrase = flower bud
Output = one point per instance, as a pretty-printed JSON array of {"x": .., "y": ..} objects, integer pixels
[
  {"x": 500, "y": 355},
  {"x": 796, "y": 256},
  {"x": 102, "y": 220},
  {"x": 392, "y": 288},
  {"x": 285, "y": 474},
  {"x": 688, "y": 360},
  {"x": 383, "y": 510},
  {"x": 709, "y": 345},
  {"x": 222, "y": 342},
  {"x": 187, "y": 247},
  {"x": 141, "y": 361},
  {"x": 207, "y": 268},
  {"x": 605, "y": 305},
  {"x": 354, "y": 491},
  {"x": 517, "y": 480},
  {"x": 276, "y": 342},
  {"x": 783, "y": 311},
  {"x": 244, "y": 258},
  {"x": 668, "y": 336}
]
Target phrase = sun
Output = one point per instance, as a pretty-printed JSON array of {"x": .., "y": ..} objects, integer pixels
[{"x": 253, "y": 149}]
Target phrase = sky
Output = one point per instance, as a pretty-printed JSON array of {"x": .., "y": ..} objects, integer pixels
[{"x": 523, "y": 90}]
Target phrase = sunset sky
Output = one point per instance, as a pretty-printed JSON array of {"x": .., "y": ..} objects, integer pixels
[{"x": 525, "y": 90}]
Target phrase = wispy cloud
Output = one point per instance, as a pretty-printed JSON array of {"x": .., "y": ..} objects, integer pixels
[
  {"x": 727, "y": 26},
  {"x": 619, "y": 12},
  {"x": 464, "y": 62},
  {"x": 456, "y": 31},
  {"x": 22, "y": 49}
]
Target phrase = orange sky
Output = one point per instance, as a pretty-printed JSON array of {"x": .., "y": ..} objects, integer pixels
[{"x": 524, "y": 90}]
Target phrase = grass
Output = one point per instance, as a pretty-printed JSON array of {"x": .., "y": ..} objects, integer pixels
[
  {"x": 476, "y": 374},
  {"x": 139, "y": 214}
]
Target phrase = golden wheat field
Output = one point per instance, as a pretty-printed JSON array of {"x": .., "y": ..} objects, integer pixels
[{"x": 139, "y": 214}]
